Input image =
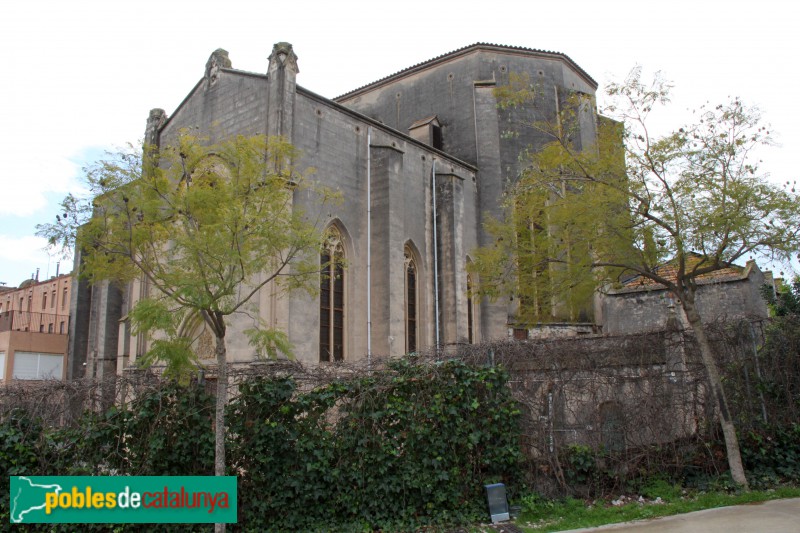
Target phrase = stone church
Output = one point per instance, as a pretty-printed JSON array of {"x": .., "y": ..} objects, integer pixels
[{"x": 422, "y": 158}]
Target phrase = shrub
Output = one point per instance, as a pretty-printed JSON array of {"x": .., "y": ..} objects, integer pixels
[{"x": 398, "y": 449}]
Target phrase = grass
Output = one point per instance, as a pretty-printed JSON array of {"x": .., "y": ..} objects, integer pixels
[{"x": 542, "y": 515}]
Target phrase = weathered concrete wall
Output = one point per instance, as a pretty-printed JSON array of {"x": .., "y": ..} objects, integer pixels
[
  {"x": 80, "y": 312},
  {"x": 459, "y": 91},
  {"x": 235, "y": 104},
  {"x": 334, "y": 143},
  {"x": 446, "y": 89},
  {"x": 106, "y": 312},
  {"x": 636, "y": 312},
  {"x": 612, "y": 392}
]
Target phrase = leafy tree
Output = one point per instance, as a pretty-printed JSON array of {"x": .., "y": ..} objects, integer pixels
[
  {"x": 633, "y": 201},
  {"x": 787, "y": 300},
  {"x": 205, "y": 226}
]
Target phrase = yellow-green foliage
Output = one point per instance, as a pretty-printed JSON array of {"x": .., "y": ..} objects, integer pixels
[
  {"x": 581, "y": 216},
  {"x": 206, "y": 225}
]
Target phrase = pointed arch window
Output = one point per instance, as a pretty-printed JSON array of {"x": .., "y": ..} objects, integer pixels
[
  {"x": 331, "y": 298},
  {"x": 470, "y": 312},
  {"x": 412, "y": 311}
]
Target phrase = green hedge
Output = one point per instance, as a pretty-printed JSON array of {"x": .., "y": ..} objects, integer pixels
[
  {"x": 395, "y": 450},
  {"x": 410, "y": 446}
]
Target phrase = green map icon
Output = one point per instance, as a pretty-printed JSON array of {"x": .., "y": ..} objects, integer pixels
[{"x": 28, "y": 497}]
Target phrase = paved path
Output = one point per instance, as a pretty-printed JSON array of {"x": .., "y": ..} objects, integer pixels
[{"x": 775, "y": 516}]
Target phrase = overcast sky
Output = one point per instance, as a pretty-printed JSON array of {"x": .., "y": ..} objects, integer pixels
[{"x": 80, "y": 77}]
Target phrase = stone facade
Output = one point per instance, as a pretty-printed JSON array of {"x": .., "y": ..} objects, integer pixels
[
  {"x": 433, "y": 130},
  {"x": 728, "y": 295}
]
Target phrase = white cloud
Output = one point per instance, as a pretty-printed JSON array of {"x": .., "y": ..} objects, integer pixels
[
  {"x": 21, "y": 249},
  {"x": 85, "y": 74},
  {"x": 28, "y": 175},
  {"x": 21, "y": 256}
]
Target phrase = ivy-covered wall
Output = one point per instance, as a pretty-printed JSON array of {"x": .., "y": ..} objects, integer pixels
[{"x": 396, "y": 449}]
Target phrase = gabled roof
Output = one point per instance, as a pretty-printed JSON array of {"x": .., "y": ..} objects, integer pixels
[
  {"x": 427, "y": 120},
  {"x": 464, "y": 51},
  {"x": 669, "y": 271}
]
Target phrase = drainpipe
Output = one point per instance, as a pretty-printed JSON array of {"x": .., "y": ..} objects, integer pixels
[
  {"x": 435, "y": 257},
  {"x": 369, "y": 247}
]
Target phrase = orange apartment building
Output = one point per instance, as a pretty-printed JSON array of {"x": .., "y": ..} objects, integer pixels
[{"x": 34, "y": 321}]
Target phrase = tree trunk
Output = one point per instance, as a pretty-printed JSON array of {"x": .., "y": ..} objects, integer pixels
[
  {"x": 717, "y": 394},
  {"x": 219, "y": 415}
]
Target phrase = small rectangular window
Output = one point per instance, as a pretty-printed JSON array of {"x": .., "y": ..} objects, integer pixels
[
  {"x": 53, "y": 300},
  {"x": 44, "y": 300},
  {"x": 50, "y": 328},
  {"x": 436, "y": 132},
  {"x": 61, "y": 327}
]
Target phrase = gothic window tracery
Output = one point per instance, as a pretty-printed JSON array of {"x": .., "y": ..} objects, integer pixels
[
  {"x": 470, "y": 312},
  {"x": 331, "y": 301},
  {"x": 411, "y": 278}
]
